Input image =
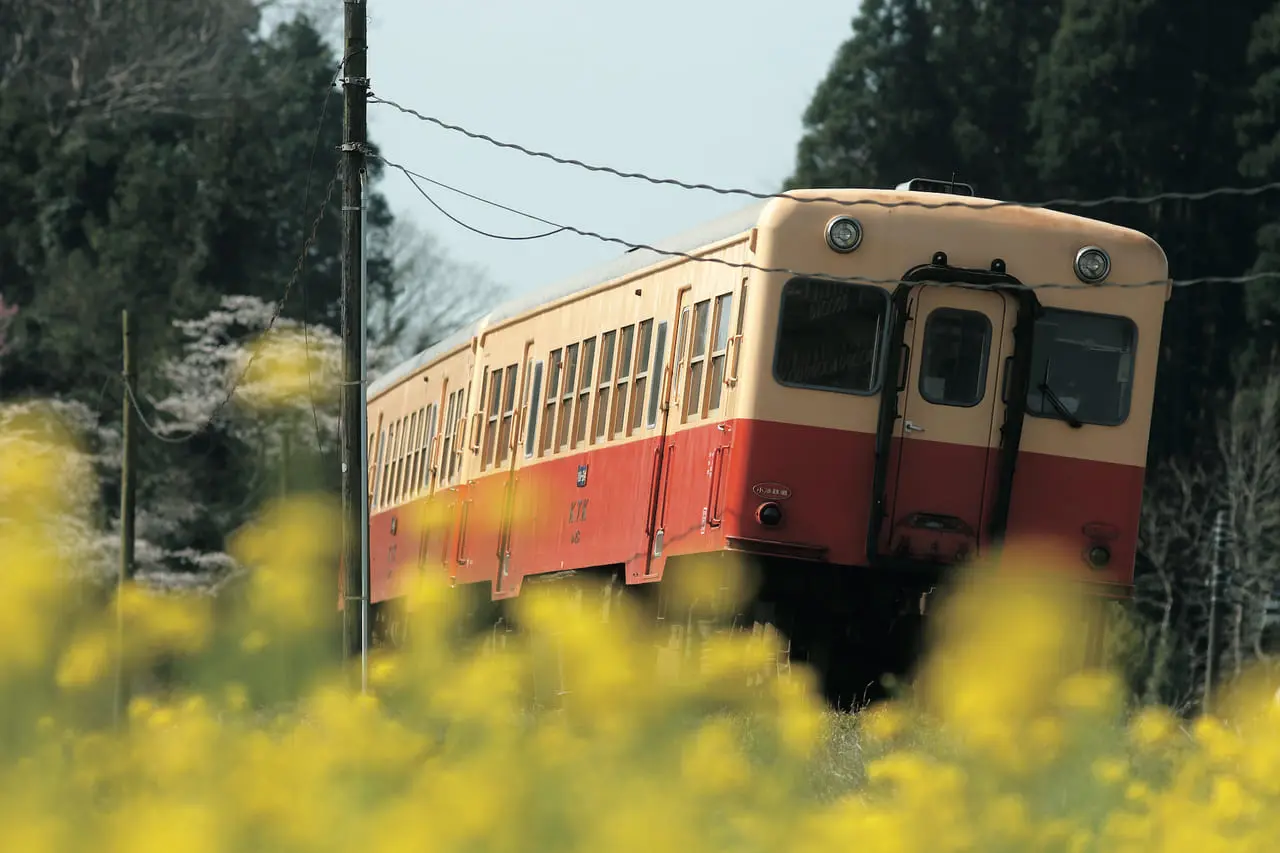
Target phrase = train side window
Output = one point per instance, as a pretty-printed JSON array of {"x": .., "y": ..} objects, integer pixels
[
  {"x": 694, "y": 396},
  {"x": 384, "y": 495},
  {"x": 428, "y": 448},
  {"x": 566, "y": 396},
  {"x": 953, "y": 361},
  {"x": 419, "y": 441},
  {"x": 585, "y": 383},
  {"x": 1083, "y": 363},
  {"x": 641, "y": 381},
  {"x": 553, "y": 391},
  {"x": 508, "y": 413},
  {"x": 719, "y": 349},
  {"x": 535, "y": 402},
  {"x": 655, "y": 388},
  {"x": 601, "y": 415},
  {"x": 620, "y": 387},
  {"x": 830, "y": 336},
  {"x": 494, "y": 402},
  {"x": 376, "y": 484}
]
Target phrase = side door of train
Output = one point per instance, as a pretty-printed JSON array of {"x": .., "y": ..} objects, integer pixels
[{"x": 956, "y": 345}]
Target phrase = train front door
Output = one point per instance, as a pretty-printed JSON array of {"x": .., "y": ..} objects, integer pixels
[{"x": 948, "y": 436}]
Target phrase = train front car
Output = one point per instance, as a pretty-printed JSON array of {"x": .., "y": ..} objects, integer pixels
[{"x": 934, "y": 402}]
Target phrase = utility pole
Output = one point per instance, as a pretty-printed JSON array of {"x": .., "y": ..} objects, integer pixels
[
  {"x": 1219, "y": 540},
  {"x": 128, "y": 441},
  {"x": 355, "y": 551}
]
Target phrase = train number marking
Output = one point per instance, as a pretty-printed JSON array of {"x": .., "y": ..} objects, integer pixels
[
  {"x": 578, "y": 510},
  {"x": 576, "y": 537}
]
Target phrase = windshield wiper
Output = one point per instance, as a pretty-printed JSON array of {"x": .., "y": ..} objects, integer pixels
[{"x": 1053, "y": 398}]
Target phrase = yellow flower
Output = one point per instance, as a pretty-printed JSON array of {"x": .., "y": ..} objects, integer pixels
[
  {"x": 1152, "y": 727},
  {"x": 1111, "y": 770},
  {"x": 87, "y": 660}
]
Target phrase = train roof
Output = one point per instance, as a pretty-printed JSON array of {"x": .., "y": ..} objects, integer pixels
[{"x": 704, "y": 234}]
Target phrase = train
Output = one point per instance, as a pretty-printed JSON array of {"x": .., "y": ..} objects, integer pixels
[{"x": 856, "y": 391}]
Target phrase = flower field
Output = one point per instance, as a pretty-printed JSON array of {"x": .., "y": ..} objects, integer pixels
[{"x": 243, "y": 732}]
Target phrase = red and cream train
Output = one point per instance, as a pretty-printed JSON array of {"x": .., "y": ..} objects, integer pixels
[{"x": 854, "y": 396}]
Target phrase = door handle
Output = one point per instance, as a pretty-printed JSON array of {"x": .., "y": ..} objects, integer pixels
[{"x": 913, "y": 428}]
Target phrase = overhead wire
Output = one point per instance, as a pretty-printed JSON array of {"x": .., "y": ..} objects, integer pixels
[
  {"x": 414, "y": 178},
  {"x": 1200, "y": 195}
]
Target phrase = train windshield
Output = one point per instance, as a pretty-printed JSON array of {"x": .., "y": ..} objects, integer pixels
[
  {"x": 1081, "y": 367},
  {"x": 830, "y": 335}
]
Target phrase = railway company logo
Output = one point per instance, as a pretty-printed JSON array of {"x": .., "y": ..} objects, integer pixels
[
  {"x": 582, "y": 476},
  {"x": 773, "y": 491}
]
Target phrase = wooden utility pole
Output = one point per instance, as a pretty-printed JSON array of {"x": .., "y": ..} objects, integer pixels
[
  {"x": 355, "y": 552},
  {"x": 128, "y": 446}
]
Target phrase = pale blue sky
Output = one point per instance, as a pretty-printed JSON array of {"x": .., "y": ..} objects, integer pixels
[{"x": 702, "y": 90}]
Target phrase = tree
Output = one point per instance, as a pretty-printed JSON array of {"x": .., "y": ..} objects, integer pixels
[
  {"x": 1259, "y": 130},
  {"x": 929, "y": 89},
  {"x": 428, "y": 296},
  {"x": 1138, "y": 97}
]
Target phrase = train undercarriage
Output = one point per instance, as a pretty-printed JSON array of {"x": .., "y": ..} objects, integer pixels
[{"x": 859, "y": 630}]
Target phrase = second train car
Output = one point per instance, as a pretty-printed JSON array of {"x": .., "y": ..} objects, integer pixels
[{"x": 855, "y": 394}]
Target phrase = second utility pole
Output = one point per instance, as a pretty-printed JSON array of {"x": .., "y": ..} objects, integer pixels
[{"x": 355, "y": 86}]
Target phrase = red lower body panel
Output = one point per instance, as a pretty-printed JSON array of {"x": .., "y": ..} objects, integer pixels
[{"x": 593, "y": 508}]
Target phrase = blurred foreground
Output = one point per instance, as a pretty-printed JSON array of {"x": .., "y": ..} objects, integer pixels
[{"x": 244, "y": 733}]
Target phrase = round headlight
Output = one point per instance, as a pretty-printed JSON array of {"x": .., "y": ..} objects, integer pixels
[
  {"x": 1092, "y": 264},
  {"x": 844, "y": 233}
]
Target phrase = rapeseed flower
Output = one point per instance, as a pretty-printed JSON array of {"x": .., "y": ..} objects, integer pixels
[{"x": 244, "y": 732}]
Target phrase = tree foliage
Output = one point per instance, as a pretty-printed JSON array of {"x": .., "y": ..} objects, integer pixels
[{"x": 175, "y": 160}]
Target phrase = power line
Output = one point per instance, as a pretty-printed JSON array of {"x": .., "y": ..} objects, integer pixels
[
  {"x": 275, "y": 315},
  {"x": 414, "y": 177},
  {"x": 930, "y": 205}
]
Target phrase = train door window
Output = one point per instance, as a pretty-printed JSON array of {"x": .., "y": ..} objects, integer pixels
[
  {"x": 953, "y": 361},
  {"x": 1082, "y": 367},
  {"x": 601, "y": 416},
  {"x": 583, "y": 409},
  {"x": 830, "y": 335},
  {"x": 492, "y": 408},
  {"x": 655, "y": 388},
  {"x": 620, "y": 387},
  {"x": 553, "y": 391},
  {"x": 642, "y": 375},
  {"x": 534, "y": 403},
  {"x": 508, "y": 413},
  {"x": 678, "y": 363},
  {"x": 694, "y": 396},
  {"x": 428, "y": 448},
  {"x": 566, "y": 397},
  {"x": 719, "y": 349}
]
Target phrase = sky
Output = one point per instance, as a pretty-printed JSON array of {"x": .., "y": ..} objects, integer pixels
[{"x": 707, "y": 91}]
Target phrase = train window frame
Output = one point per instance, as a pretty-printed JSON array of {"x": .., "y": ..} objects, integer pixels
[
  {"x": 429, "y": 447},
  {"x": 586, "y": 384},
  {"x": 1048, "y": 412},
  {"x": 640, "y": 381},
  {"x": 568, "y": 392},
  {"x": 878, "y": 360},
  {"x": 376, "y": 484},
  {"x": 621, "y": 384},
  {"x": 655, "y": 387},
  {"x": 534, "y": 403},
  {"x": 604, "y": 382},
  {"x": 507, "y": 416},
  {"x": 988, "y": 338},
  {"x": 721, "y": 319},
  {"x": 695, "y": 371},
  {"x": 491, "y": 399},
  {"x": 550, "y": 400}
]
